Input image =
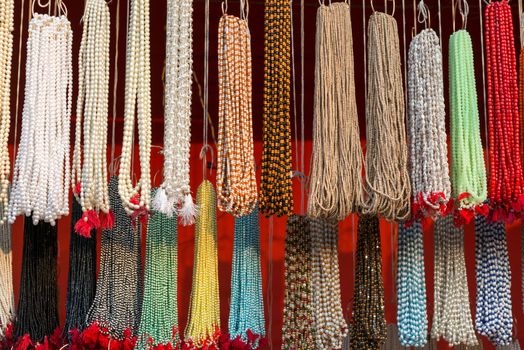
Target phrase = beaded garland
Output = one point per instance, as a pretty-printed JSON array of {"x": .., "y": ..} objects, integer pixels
[
  {"x": 135, "y": 199},
  {"x": 452, "y": 315},
  {"x": 369, "y": 323},
  {"x": 494, "y": 317},
  {"x": 175, "y": 192},
  {"x": 159, "y": 318},
  {"x": 297, "y": 328},
  {"x": 89, "y": 169},
  {"x": 412, "y": 318},
  {"x": 276, "y": 193},
  {"x": 521, "y": 101},
  {"x": 506, "y": 183},
  {"x": 246, "y": 311},
  {"x": 330, "y": 326},
  {"x": 468, "y": 171},
  {"x": 426, "y": 126},
  {"x": 7, "y": 297},
  {"x": 41, "y": 175},
  {"x": 203, "y": 326},
  {"x": 236, "y": 182}
]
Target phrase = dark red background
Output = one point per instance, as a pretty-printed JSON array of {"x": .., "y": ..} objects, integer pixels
[{"x": 272, "y": 259}]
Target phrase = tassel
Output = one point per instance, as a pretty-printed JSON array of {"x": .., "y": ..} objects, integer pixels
[
  {"x": 107, "y": 220},
  {"x": 163, "y": 204},
  {"x": 25, "y": 343},
  {"x": 188, "y": 212},
  {"x": 88, "y": 222}
]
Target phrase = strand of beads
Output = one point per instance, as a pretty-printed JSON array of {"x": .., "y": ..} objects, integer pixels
[
  {"x": 297, "y": 328},
  {"x": 175, "y": 192},
  {"x": 493, "y": 317},
  {"x": 521, "y": 97},
  {"x": 451, "y": 316},
  {"x": 336, "y": 188},
  {"x": 89, "y": 175},
  {"x": 276, "y": 193},
  {"x": 236, "y": 182},
  {"x": 203, "y": 326},
  {"x": 412, "y": 318},
  {"x": 426, "y": 124},
  {"x": 246, "y": 311},
  {"x": 41, "y": 174},
  {"x": 135, "y": 199},
  {"x": 329, "y": 323},
  {"x": 513, "y": 346},
  {"x": 369, "y": 323},
  {"x": 7, "y": 297},
  {"x": 6, "y": 57},
  {"x": 159, "y": 318},
  {"x": 468, "y": 171},
  {"x": 506, "y": 182},
  {"x": 387, "y": 175}
]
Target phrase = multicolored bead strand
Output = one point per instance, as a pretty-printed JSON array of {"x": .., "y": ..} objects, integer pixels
[
  {"x": 468, "y": 171},
  {"x": 412, "y": 317},
  {"x": 330, "y": 326},
  {"x": 426, "y": 126},
  {"x": 505, "y": 187},
  {"x": 452, "y": 319},
  {"x": 494, "y": 317},
  {"x": 276, "y": 193},
  {"x": 203, "y": 326},
  {"x": 369, "y": 324},
  {"x": 297, "y": 328},
  {"x": 246, "y": 311},
  {"x": 159, "y": 317}
]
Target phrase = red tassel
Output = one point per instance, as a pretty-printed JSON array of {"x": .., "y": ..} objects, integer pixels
[
  {"x": 252, "y": 337},
  {"x": 56, "y": 339},
  {"x": 141, "y": 214},
  {"x": 115, "y": 344},
  {"x": 467, "y": 215},
  {"x": 90, "y": 336},
  {"x": 135, "y": 200},
  {"x": 76, "y": 340},
  {"x": 482, "y": 209},
  {"x": 104, "y": 341},
  {"x": 107, "y": 221},
  {"x": 44, "y": 345},
  {"x": 83, "y": 228},
  {"x": 24, "y": 343},
  {"x": 78, "y": 188},
  {"x": 464, "y": 195},
  {"x": 238, "y": 344}
]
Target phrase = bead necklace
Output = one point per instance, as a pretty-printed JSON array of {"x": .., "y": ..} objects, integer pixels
[
  {"x": 387, "y": 175},
  {"x": 336, "y": 162},
  {"x": 276, "y": 193},
  {"x": 452, "y": 315},
  {"x": 506, "y": 182},
  {"x": 6, "y": 60},
  {"x": 297, "y": 329},
  {"x": 468, "y": 171},
  {"x": 412, "y": 318},
  {"x": 135, "y": 199},
  {"x": 513, "y": 346},
  {"x": 89, "y": 170},
  {"x": 369, "y": 323},
  {"x": 246, "y": 311},
  {"x": 236, "y": 182},
  {"x": 329, "y": 323},
  {"x": 7, "y": 297},
  {"x": 203, "y": 326},
  {"x": 426, "y": 124},
  {"x": 175, "y": 192},
  {"x": 159, "y": 319},
  {"x": 42, "y": 173},
  {"x": 493, "y": 317}
]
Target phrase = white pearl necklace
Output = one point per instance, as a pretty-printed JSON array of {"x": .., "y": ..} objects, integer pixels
[
  {"x": 41, "y": 175},
  {"x": 137, "y": 99},
  {"x": 92, "y": 110},
  {"x": 6, "y": 55},
  {"x": 175, "y": 192}
]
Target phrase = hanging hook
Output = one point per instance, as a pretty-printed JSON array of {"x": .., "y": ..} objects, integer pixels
[
  {"x": 203, "y": 156},
  {"x": 244, "y": 9},
  {"x": 464, "y": 12},
  {"x": 224, "y": 7},
  {"x": 423, "y": 14}
]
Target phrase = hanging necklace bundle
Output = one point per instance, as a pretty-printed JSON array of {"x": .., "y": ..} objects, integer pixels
[
  {"x": 89, "y": 176},
  {"x": 135, "y": 199},
  {"x": 369, "y": 323},
  {"x": 203, "y": 327},
  {"x": 159, "y": 319},
  {"x": 7, "y": 298},
  {"x": 236, "y": 182},
  {"x": 468, "y": 171},
  {"x": 506, "y": 181},
  {"x": 297, "y": 329},
  {"x": 276, "y": 193},
  {"x": 426, "y": 124},
  {"x": 329, "y": 323},
  {"x": 41, "y": 174},
  {"x": 336, "y": 163},
  {"x": 115, "y": 312},
  {"x": 451, "y": 316},
  {"x": 387, "y": 175},
  {"x": 494, "y": 318},
  {"x": 412, "y": 317},
  {"x": 246, "y": 311},
  {"x": 175, "y": 193}
]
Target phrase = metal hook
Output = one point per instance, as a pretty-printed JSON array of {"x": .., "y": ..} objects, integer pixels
[
  {"x": 464, "y": 12},
  {"x": 224, "y": 7},
  {"x": 203, "y": 153}
]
